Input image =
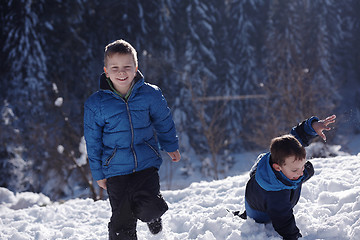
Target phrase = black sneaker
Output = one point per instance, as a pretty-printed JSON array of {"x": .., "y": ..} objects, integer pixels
[
  {"x": 155, "y": 226},
  {"x": 241, "y": 215}
]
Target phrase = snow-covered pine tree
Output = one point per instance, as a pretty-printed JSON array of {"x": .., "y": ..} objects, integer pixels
[
  {"x": 281, "y": 49},
  {"x": 244, "y": 40},
  {"x": 356, "y": 36},
  {"x": 349, "y": 70},
  {"x": 157, "y": 57},
  {"x": 201, "y": 73},
  {"x": 3, "y": 14},
  {"x": 323, "y": 35},
  {"x": 295, "y": 76},
  {"x": 26, "y": 87},
  {"x": 26, "y": 59}
]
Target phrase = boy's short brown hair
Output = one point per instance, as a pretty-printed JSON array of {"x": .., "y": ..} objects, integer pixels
[
  {"x": 285, "y": 146},
  {"x": 122, "y": 47}
]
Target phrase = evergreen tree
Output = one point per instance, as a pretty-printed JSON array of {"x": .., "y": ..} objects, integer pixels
[
  {"x": 198, "y": 71},
  {"x": 26, "y": 61},
  {"x": 297, "y": 70},
  {"x": 202, "y": 77},
  {"x": 27, "y": 89},
  {"x": 356, "y": 36},
  {"x": 157, "y": 56},
  {"x": 322, "y": 26},
  {"x": 245, "y": 28},
  {"x": 351, "y": 59}
]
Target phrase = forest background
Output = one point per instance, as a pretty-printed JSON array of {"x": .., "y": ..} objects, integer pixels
[{"x": 234, "y": 72}]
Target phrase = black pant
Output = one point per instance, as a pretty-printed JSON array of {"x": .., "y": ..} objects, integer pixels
[{"x": 134, "y": 196}]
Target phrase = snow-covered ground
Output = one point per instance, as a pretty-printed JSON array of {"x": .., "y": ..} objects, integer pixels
[{"x": 328, "y": 209}]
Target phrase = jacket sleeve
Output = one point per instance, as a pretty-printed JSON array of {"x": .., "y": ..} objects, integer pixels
[
  {"x": 309, "y": 171},
  {"x": 93, "y": 127},
  {"x": 281, "y": 214},
  {"x": 254, "y": 167},
  {"x": 304, "y": 132},
  {"x": 163, "y": 123}
]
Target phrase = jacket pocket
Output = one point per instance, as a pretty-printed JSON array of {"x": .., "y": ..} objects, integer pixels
[
  {"x": 108, "y": 160},
  {"x": 152, "y": 148}
]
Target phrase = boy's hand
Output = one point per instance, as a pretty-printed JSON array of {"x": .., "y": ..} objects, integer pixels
[
  {"x": 322, "y": 125},
  {"x": 175, "y": 156},
  {"x": 102, "y": 183}
]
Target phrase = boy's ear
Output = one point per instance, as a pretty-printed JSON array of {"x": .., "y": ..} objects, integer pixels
[{"x": 276, "y": 167}]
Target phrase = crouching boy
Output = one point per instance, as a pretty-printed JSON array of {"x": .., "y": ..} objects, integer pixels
[{"x": 276, "y": 178}]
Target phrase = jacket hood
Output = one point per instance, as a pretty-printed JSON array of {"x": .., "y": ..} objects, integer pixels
[
  {"x": 271, "y": 180},
  {"x": 104, "y": 85}
]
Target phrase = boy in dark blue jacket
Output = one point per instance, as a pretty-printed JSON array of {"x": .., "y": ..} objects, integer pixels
[
  {"x": 276, "y": 178},
  {"x": 124, "y": 124}
]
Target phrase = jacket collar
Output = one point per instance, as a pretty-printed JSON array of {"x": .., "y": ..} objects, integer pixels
[{"x": 104, "y": 85}]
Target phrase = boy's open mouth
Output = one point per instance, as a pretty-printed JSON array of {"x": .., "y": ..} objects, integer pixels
[{"x": 122, "y": 79}]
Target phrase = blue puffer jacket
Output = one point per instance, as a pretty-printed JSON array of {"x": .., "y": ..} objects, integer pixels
[
  {"x": 123, "y": 137},
  {"x": 270, "y": 196}
]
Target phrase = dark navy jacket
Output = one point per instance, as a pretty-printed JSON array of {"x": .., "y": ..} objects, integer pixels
[
  {"x": 123, "y": 136},
  {"x": 270, "y": 196}
]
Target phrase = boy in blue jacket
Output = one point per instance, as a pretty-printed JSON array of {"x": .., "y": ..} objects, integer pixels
[
  {"x": 276, "y": 178},
  {"x": 125, "y": 121}
]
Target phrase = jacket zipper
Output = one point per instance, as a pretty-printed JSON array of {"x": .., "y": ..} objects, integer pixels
[
  {"x": 132, "y": 136},
  {"x": 131, "y": 127},
  {"x": 108, "y": 160},
  {"x": 156, "y": 152}
]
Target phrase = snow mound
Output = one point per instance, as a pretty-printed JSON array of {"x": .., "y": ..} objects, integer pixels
[
  {"x": 329, "y": 208},
  {"x": 22, "y": 200}
]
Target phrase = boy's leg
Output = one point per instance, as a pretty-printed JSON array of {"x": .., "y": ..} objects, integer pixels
[
  {"x": 258, "y": 216},
  {"x": 147, "y": 202},
  {"x": 122, "y": 224}
]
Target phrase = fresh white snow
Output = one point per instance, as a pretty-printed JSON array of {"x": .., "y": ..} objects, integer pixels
[{"x": 329, "y": 208}]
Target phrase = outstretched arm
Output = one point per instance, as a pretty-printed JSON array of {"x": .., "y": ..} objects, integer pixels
[
  {"x": 322, "y": 125},
  {"x": 307, "y": 130}
]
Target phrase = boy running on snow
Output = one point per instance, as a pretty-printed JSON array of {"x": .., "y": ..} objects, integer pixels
[{"x": 124, "y": 123}]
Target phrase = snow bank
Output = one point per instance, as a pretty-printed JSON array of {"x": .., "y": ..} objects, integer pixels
[
  {"x": 21, "y": 200},
  {"x": 328, "y": 209}
]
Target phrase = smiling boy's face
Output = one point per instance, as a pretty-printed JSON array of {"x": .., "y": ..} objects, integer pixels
[
  {"x": 121, "y": 70},
  {"x": 293, "y": 168}
]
